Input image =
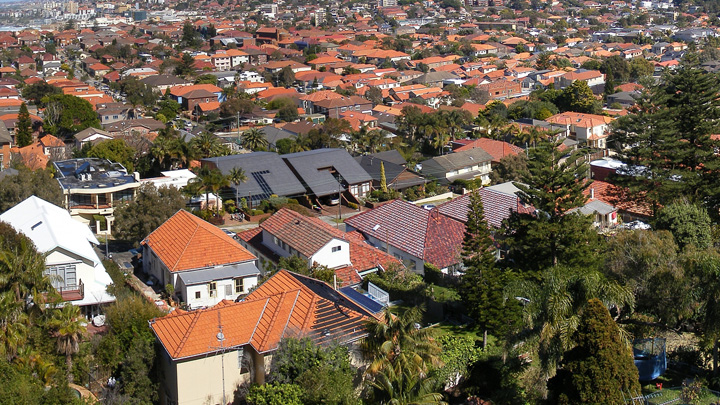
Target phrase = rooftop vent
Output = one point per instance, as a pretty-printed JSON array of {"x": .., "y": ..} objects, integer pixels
[{"x": 376, "y": 227}]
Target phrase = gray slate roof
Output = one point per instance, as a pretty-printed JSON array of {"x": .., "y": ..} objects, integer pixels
[
  {"x": 220, "y": 273},
  {"x": 314, "y": 169},
  {"x": 440, "y": 165},
  {"x": 266, "y": 173}
]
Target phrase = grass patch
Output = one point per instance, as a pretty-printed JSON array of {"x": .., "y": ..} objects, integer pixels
[{"x": 668, "y": 394}]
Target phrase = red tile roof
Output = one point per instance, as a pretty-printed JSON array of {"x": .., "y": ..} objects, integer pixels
[
  {"x": 497, "y": 206},
  {"x": 287, "y": 304},
  {"x": 186, "y": 242},
  {"x": 425, "y": 234},
  {"x": 496, "y": 149},
  {"x": 307, "y": 235}
]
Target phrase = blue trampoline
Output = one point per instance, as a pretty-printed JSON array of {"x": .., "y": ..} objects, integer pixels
[{"x": 650, "y": 358}]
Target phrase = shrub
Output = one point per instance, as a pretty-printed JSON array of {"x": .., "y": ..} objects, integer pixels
[
  {"x": 352, "y": 205},
  {"x": 256, "y": 212}
]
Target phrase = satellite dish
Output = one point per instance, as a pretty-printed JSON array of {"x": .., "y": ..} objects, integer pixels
[{"x": 220, "y": 336}]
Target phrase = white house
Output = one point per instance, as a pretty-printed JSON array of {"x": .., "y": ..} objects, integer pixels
[
  {"x": 75, "y": 269},
  {"x": 202, "y": 263},
  {"x": 591, "y": 129}
]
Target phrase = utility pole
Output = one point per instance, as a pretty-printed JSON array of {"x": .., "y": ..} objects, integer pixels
[{"x": 238, "y": 128}]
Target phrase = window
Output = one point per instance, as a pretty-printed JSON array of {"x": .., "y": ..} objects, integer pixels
[
  {"x": 62, "y": 276},
  {"x": 197, "y": 295},
  {"x": 239, "y": 285},
  {"x": 213, "y": 289},
  {"x": 336, "y": 248}
]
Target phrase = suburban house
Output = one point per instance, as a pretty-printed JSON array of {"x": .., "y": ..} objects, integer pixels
[
  {"x": 266, "y": 172},
  {"x": 288, "y": 233},
  {"x": 594, "y": 79},
  {"x": 590, "y": 129},
  {"x": 327, "y": 172},
  {"x": 90, "y": 135},
  {"x": 412, "y": 234},
  {"x": 202, "y": 263},
  {"x": 333, "y": 107},
  {"x": 209, "y": 352},
  {"x": 92, "y": 188},
  {"x": 397, "y": 177},
  {"x": 466, "y": 165},
  {"x": 499, "y": 201},
  {"x": 77, "y": 273}
]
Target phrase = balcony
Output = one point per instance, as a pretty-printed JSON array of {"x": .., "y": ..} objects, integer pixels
[{"x": 72, "y": 292}]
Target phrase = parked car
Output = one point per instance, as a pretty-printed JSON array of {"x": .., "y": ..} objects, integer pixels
[{"x": 229, "y": 233}]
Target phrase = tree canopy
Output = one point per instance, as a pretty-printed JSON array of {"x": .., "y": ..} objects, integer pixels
[{"x": 151, "y": 207}]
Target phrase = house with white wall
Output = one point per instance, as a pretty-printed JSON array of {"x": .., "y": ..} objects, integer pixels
[
  {"x": 76, "y": 271},
  {"x": 288, "y": 233},
  {"x": 590, "y": 129},
  {"x": 202, "y": 263}
]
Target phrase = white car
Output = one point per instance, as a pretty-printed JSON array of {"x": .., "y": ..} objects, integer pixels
[{"x": 229, "y": 233}]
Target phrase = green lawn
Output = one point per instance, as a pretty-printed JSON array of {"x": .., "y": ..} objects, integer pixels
[{"x": 668, "y": 394}]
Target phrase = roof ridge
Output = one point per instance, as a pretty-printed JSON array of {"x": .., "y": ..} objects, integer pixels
[
  {"x": 188, "y": 331},
  {"x": 267, "y": 300},
  {"x": 197, "y": 226},
  {"x": 273, "y": 319},
  {"x": 292, "y": 310}
]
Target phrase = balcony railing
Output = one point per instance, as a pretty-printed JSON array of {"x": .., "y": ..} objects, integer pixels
[{"x": 72, "y": 292}]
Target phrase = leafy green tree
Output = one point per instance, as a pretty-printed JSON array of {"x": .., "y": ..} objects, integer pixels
[
  {"x": 207, "y": 79},
  {"x": 324, "y": 373},
  {"x": 609, "y": 82},
  {"x": 169, "y": 108},
  {"x": 39, "y": 93},
  {"x": 210, "y": 181},
  {"x": 578, "y": 97},
  {"x": 186, "y": 66},
  {"x": 23, "y": 127},
  {"x": 667, "y": 141},
  {"x": 275, "y": 394},
  {"x": 190, "y": 37},
  {"x": 641, "y": 67},
  {"x": 616, "y": 68},
  {"x": 510, "y": 168},
  {"x": 482, "y": 284},
  {"x": 16, "y": 188},
  {"x": 115, "y": 150},
  {"x": 690, "y": 224},
  {"x": 66, "y": 115},
  {"x": 374, "y": 94},
  {"x": 649, "y": 264},
  {"x": 458, "y": 354},
  {"x": 151, "y": 207},
  {"x": 128, "y": 348},
  {"x": 543, "y": 62},
  {"x": 69, "y": 327},
  {"x": 600, "y": 369}
]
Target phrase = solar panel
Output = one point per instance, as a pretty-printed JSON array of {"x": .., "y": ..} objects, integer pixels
[
  {"x": 267, "y": 191},
  {"x": 362, "y": 300}
]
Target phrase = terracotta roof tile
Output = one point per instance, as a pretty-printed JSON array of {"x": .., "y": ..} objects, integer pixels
[{"x": 186, "y": 242}]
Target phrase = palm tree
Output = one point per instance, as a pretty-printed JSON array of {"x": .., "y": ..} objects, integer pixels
[
  {"x": 206, "y": 144},
  {"x": 399, "y": 334},
  {"x": 399, "y": 385},
  {"x": 440, "y": 139},
  {"x": 237, "y": 176},
  {"x": 401, "y": 354},
  {"x": 210, "y": 180},
  {"x": 552, "y": 310},
  {"x": 300, "y": 144},
  {"x": 254, "y": 139},
  {"x": 69, "y": 329}
]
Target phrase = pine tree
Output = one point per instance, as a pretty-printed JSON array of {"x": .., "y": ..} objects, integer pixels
[
  {"x": 609, "y": 82},
  {"x": 483, "y": 282},
  {"x": 553, "y": 235},
  {"x": 24, "y": 127},
  {"x": 600, "y": 369},
  {"x": 667, "y": 141},
  {"x": 383, "y": 180}
]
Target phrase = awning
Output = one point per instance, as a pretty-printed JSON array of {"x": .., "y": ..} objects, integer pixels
[{"x": 219, "y": 273}]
